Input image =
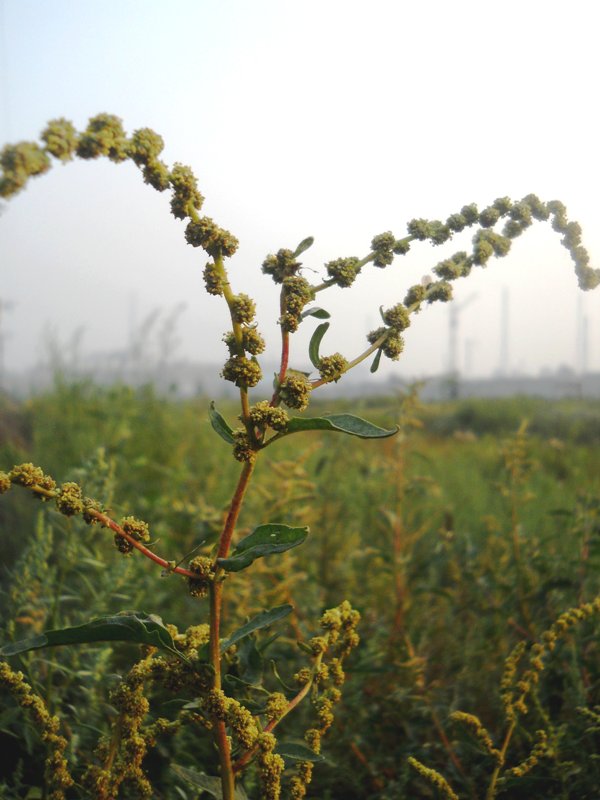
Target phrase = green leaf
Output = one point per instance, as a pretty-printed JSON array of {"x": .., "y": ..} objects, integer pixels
[
  {"x": 207, "y": 783},
  {"x": 219, "y": 424},
  {"x": 263, "y": 541},
  {"x": 130, "y": 626},
  {"x": 297, "y": 752},
  {"x": 315, "y": 343},
  {"x": 304, "y": 245},
  {"x": 262, "y": 620},
  {"x": 343, "y": 423},
  {"x": 250, "y": 661},
  {"x": 375, "y": 364},
  {"x": 317, "y": 312},
  {"x": 282, "y": 683}
]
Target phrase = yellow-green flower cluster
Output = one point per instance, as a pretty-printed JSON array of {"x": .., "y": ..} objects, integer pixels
[
  {"x": 393, "y": 344},
  {"x": 276, "y": 706},
  {"x": 331, "y": 368},
  {"x": 60, "y": 138},
  {"x": 439, "y": 290},
  {"x": 297, "y": 292},
  {"x": 299, "y": 781},
  {"x": 29, "y": 475},
  {"x": 433, "y": 778},
  {"x": 270, "y": 767},
  {"x": 104, "y": 136},
  {"x": 539, "y": 750},
  {"x": 514, "y": 692},
  {"x": 252, "y": 342},
  {"x": 263, "y": 415},
  {"x": 243, "y": 309},
  {"x": 20, "y": 162},
  {"x": 508, "y": 681},
  {"x": 295, "y": 391},
  {"x": 69, "y": 500},
  {"x": 143, "y": 148},
  {"x": 243, "y": 372},
  {"x": 215, "y": 241},
  {"x": 340, "y": 624},
  {"x": 137, "y": 529},
  {"x": 281, "y": 266},
  {"x": 125, "y": 765},
  {"x": 4, "y": 482},
  {"x": 397, "y": 319},
  {"x": 476, "y": 727},
  {"x": 203, "y": 567},
  {"x": 186, "y": 199},
  {"x": 214, "y": 279},
  {"x": 242, "y": 447},
  {"x": 343, "y": 271},
  {"x": 241, "y": 722},
  {"x": 58, "y": 778},
  {"x": 304, "y": 769},
  {"x": 457, "y": 266}
]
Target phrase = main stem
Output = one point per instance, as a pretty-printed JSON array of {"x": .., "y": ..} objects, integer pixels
[{"x": 216, "y": 603}]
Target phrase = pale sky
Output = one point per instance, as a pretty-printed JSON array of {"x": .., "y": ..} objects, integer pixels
[{"x": 339, "y": 120}]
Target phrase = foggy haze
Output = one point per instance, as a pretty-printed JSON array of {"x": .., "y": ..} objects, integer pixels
[{"x": 338, "y": 120}]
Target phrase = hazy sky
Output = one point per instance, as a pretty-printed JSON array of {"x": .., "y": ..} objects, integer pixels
[{"x": 334, "y": 119}]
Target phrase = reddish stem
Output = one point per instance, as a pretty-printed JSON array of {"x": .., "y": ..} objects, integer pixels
[
  {"x": 107, "y": 522},
  {"x": 244, "y": 759},
  {"x": 234, "y": 510}
]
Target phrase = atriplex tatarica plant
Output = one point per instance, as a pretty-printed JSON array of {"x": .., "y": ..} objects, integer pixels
[{"x": 195, "y": 664}]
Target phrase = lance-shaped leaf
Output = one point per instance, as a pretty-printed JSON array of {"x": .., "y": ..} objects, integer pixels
[
  {"x": 219, "y": 424},
  {"x": 317, "y": 312},
  {"x": 263, "y": 541},
  {"x": 315, "y": 343},
  {"x": 130, "y": 626},
  {"x": 262, "y": 620},
  {"x": 296, "y": 751},
  {"x": 342, "y": 423},
  {"x": 207, "y": 783},
  {"x": 376, "y": 360},
  {"x": 304, "y": 245}
]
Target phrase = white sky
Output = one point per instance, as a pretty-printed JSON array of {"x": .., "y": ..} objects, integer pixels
[{"x": 333, "y": 119}]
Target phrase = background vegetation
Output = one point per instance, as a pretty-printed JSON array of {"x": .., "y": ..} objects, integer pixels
[{"x": 470, "y": 531}]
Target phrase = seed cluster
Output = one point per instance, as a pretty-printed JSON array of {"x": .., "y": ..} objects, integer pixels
[{"x": 58, "y": 778}]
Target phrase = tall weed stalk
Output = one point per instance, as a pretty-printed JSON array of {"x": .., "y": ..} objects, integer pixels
[{"x": 223, "y": 681}]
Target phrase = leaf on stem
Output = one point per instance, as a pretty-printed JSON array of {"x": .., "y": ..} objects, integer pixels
[
  {"x": 315, "y": 343},
  {"x": 375, "y": 364},
  {"x": 342, "y": 423},
  {"x": 297, "y": 752},
  {"x": 207, "y": 783},
  {"x": 219, "y": 424},
  {"x": 130, "y": 626},
  {"x": 304, "y": 245},
  {"x": 262, "y": 620},
  {"x": 263, "y": 541},
  {"x": 317, "y": 312}
]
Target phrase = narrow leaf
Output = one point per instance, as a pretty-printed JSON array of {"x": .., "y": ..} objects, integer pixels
[
  {"x": 315, "y": 343},
  {"x": 375, "y": 364},
  {"x": 262, "y": 620},
  {"x": 297, "y": 752},
  {"x": 263, "y": 541},
  {"x": 207, "y": 783},
  {"x": 343, "y": 423},
  {"x": 130, "y": 626},
  {"x": 317, "y": 312},
  {"x": 304, "y": 245},
  {"x": 219, "y": 424}
]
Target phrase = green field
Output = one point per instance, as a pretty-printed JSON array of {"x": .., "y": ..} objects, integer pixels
[{"x": 470, "y": 531}]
